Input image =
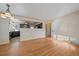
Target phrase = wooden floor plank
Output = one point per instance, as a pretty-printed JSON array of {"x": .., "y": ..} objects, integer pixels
[{"x": 40, "y": 47}]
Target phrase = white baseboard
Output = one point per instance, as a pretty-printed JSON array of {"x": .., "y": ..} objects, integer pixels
[
  {"x": 23, "y": 39},
  {"x": 4, "y": 43}
]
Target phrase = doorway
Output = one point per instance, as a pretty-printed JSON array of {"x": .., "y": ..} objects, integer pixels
[
  {"x": 48, "y": 28},
  {"x": 14, "y": 31}
]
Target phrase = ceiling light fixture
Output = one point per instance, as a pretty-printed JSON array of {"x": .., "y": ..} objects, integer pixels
[{"x": 7, "y": 13}]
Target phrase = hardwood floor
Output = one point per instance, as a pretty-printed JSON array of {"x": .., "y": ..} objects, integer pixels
[
  {"x": 15, "y": 39},
  {"x": 39, "y": 47}
]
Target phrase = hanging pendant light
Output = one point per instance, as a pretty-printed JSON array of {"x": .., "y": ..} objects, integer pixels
[{"x": 7, "y": 13}]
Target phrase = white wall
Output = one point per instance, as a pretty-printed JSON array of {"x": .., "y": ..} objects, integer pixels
[
  {"x": 4, "y": 31},
  {"x": 67, "y": 25}
]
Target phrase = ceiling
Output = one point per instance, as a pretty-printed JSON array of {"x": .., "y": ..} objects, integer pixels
[{"x": 43, "y": 11}]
